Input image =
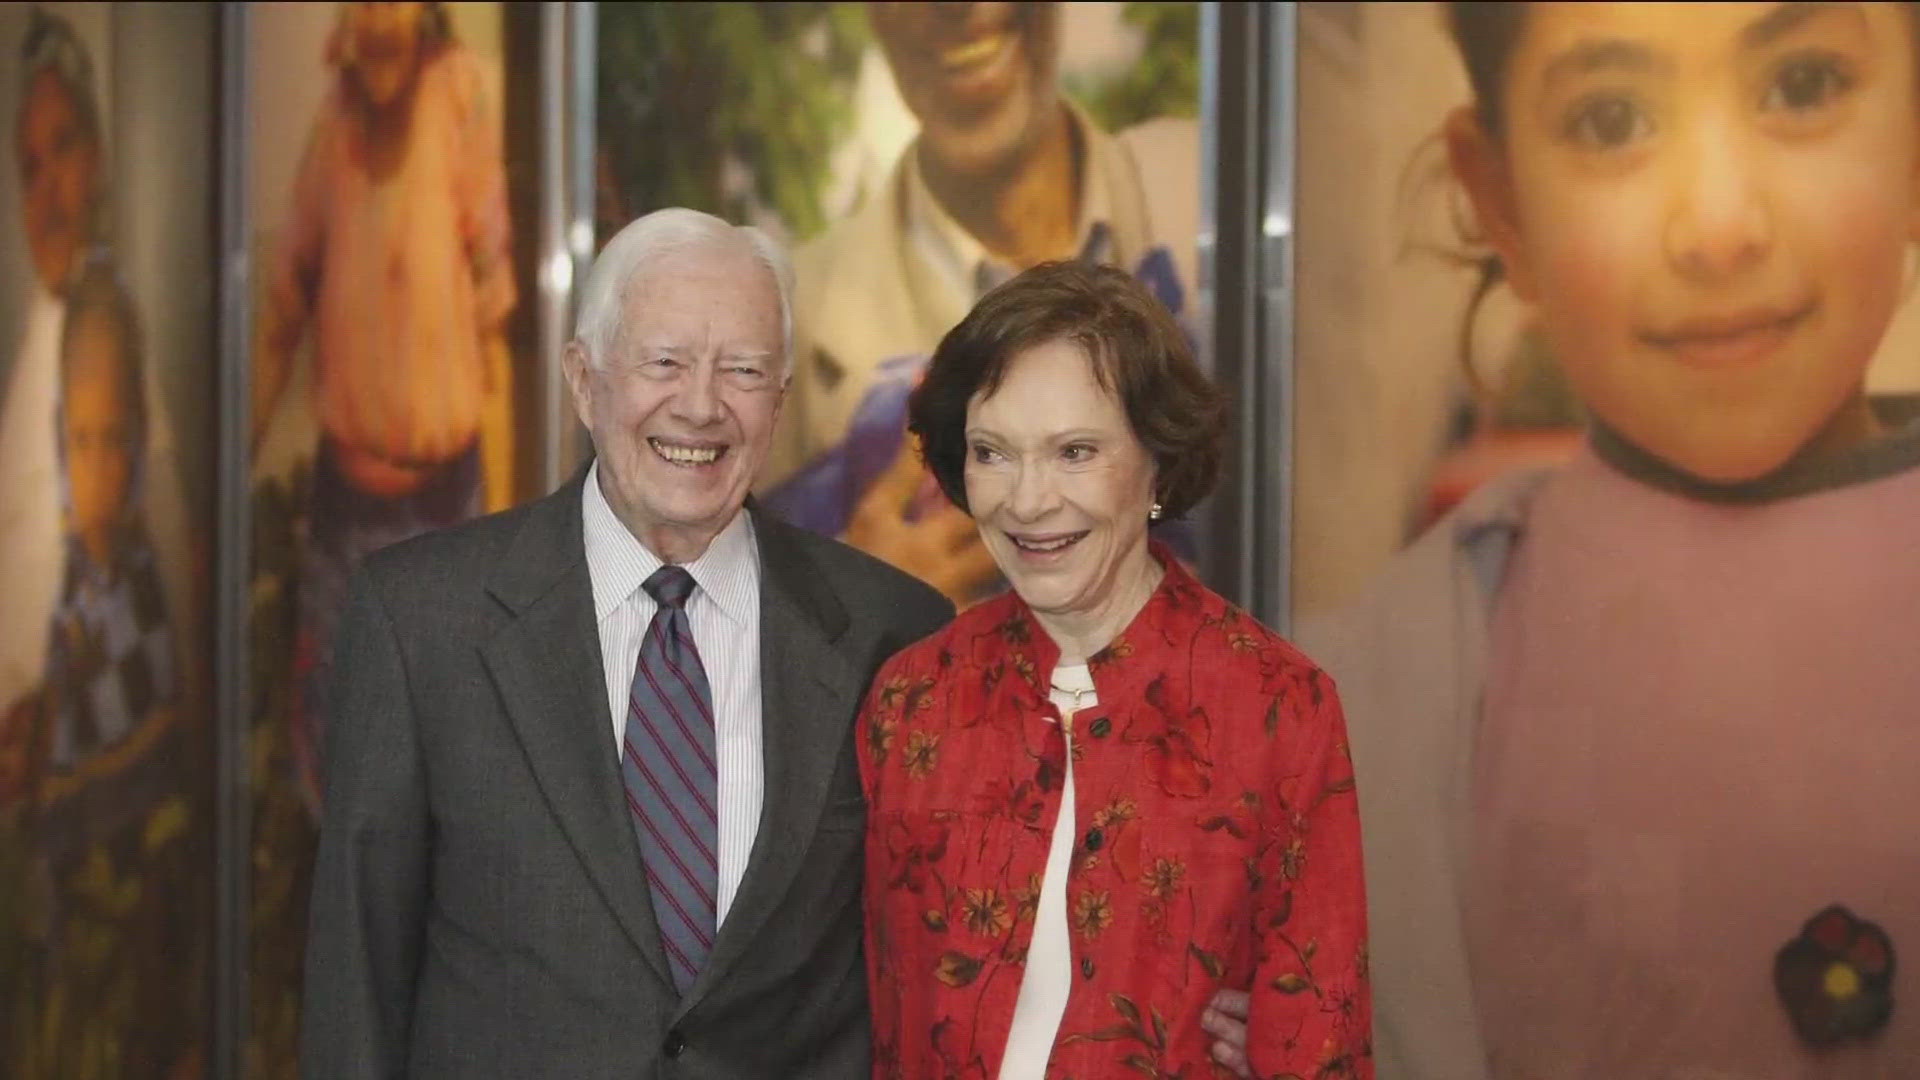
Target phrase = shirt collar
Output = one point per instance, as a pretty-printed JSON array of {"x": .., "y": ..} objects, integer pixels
[
  {"x": 963, "y": 260},
  {"x": 618, "y": 563}
]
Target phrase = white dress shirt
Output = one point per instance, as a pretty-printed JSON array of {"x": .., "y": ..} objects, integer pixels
[
  {"x": 725, "y": 613},
  {"x": 1049, "y": 970}
]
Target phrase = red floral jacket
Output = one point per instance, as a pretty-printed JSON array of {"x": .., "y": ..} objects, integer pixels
[{"x": 1217, "y": 845}]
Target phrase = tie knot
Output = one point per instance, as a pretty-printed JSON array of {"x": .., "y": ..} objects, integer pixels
[{"x": 669, "y": 586}]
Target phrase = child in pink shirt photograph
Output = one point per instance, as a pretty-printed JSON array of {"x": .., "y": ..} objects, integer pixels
[{"x": 1635, "y": 734}]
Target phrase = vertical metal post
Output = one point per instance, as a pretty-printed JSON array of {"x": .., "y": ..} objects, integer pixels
[
  {"x": 1247, "y": 286},
  {"x": 1273, "y": 594},
  {"x": 568, "y": 58},
  {"x": 583, "y": 58},
  {"x": 556, "y": 267},
  {"x": 233, "y": 562}
]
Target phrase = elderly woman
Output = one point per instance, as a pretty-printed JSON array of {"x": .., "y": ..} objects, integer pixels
[{"x": 1099, "y": 797}]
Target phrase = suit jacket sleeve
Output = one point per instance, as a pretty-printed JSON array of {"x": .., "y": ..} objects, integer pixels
[{"x": 370, "y": 882}]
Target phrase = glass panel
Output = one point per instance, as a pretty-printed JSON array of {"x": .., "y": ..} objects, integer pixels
[
  {"x": 396, "y": 371},
  {"x": 107, "y": 444},
  {"x": 1608, "y": 499}
]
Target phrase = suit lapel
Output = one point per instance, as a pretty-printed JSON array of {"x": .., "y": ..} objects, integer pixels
[
  {"x": 546, "y": 663},
  {"x": 808, "y": 693}
]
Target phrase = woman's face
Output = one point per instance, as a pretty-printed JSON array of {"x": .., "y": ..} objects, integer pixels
[
  {"x": 1058, "y": 483},
  {"x": 59, "y": 159},
  {"x": 386, "y": 48},
  {"x": 1710, "y": 205},
  {"x": 98, "y": 434}
]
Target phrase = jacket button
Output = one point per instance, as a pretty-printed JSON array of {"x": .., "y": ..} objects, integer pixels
[
  {"x": 1100, "y": 727},
  {"x": 675, "y": 1045},
  {"x": 1095, "y": 838}
]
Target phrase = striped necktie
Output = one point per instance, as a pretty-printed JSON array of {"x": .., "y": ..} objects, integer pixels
[{"x": 667, "y": 766}]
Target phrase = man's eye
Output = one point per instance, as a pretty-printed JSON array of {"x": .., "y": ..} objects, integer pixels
[
  {"x": 1805, "y": 83},
  {"x": 1607, "y": 122}
]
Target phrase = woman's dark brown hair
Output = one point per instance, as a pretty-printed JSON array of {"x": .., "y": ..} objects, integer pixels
[{"x": 1139, "y": 355}]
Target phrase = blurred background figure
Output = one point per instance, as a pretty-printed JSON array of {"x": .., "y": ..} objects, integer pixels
[
  {"x": 1005, "y": 172},
  {"x": 59, "y": 154},
  {"x": 394, "y": 264},
  {"x": 116, "y": 904},
  {"x": 915, "y": 155}
]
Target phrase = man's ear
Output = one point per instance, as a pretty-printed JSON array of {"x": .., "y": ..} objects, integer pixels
[
  {"x": 1479, "y": 163},
  {"x": 573, "y": 364},
  {"x": 785, "y": 387}
]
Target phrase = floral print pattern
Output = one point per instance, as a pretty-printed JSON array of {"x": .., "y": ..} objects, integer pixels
[
  {"x": 1216, "y": 844},
  {"x": 1835, "y": 979}
]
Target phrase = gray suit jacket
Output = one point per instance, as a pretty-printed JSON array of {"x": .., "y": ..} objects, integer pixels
[{"x": 479, "y": 905}]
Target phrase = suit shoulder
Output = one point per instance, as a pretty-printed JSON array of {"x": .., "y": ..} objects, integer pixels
[
  {"x": 954, "y": 637},
  {"x": 846, "y": 245},
  {"x": 1161, "y": 139},
  {"x": 444, "y": 563},
  {"x": 862, "y": 581},
  {"x": 864, "y": 572}
]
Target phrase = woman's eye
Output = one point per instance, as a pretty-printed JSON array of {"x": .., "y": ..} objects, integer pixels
[
  {"x": 1075, "y": 452},
  {"x": 1806, "y": 83},
  {"x": 1607, "y": 122},
  {"x": 983, "y": 454}
]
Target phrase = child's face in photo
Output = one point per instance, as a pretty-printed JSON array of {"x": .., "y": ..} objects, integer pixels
[
  {"x": 1710, "y": 205},
  {"x": 99, "y": 454}
]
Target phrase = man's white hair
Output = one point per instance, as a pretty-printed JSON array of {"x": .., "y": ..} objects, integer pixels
[{"x": 651, "y": 237}]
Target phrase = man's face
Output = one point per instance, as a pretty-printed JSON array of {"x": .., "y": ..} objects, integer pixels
[
  {"x": 682, "y": 409},
  {"x": 981, "y": 78},
  {"x": 59, "y": 158}
]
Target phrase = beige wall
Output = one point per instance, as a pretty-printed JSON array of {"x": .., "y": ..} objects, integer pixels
[{"x": 1374, "y": 358}]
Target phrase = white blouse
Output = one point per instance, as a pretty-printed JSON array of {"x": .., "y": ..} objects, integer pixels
[{"x": 1049, "y": 968}]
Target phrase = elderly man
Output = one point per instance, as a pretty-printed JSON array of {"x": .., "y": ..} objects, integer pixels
[{"x": 592, "y": 808}]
